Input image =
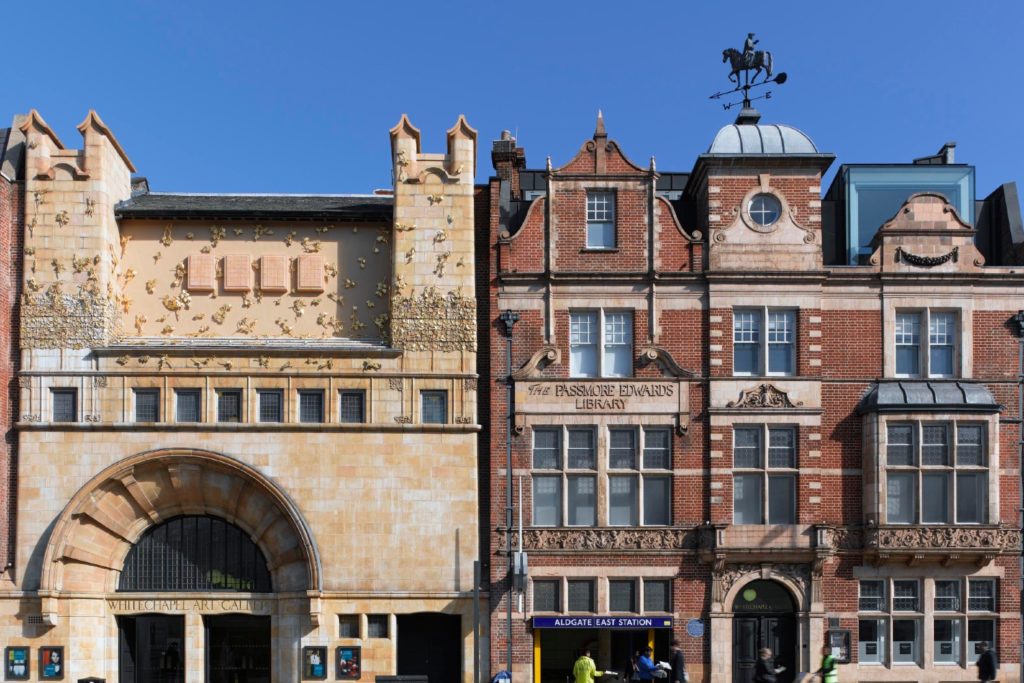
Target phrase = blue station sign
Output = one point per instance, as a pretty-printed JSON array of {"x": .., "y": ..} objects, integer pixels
[{"x": 602, "y": 622}]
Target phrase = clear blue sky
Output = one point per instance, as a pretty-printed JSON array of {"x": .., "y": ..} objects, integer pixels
[{"x": 257, "y": 96}]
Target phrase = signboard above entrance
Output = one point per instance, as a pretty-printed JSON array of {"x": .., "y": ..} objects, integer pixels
[
  {"x": 602, "y": 622},
  {"x": 550, "y": 397}
]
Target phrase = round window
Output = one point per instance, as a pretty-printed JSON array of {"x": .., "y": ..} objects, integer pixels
[{"x": 764, "y": 209}]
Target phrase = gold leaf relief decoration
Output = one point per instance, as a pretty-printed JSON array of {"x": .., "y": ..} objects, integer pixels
[
  {"x": 90, "y": 206},
  {"x": 286, "y": 329},
  {"x": 310, "y": 246},
  {"x": 336, "y": 298},
  {"x": 440, "y": 236},
  {"x": 362, "y": 262},
  {"x": 122, "y": 360},
  {"x": 298, "y": 307},
  {"x": 246, "y": 300},
  {"x": 179, "y": 275},
  {"x": 79, "y": 265},
  {"x": 246, "y": 326},
  {"x": 324, "y": 229},
  {"x": 382, "y": 289},
  {"x": 263, "y": 362},
  {"x": 156, "y": 257},
  {"x": 140, "y": 320},
  {"x": 259, "y": 231},
  {"x": 371, "y": 366},
  {"x": 216, "y": 235},
  {"x": 441, "y": 262},
  {"x": 199, "y": 363},
  {"x": 125, "y": 239},
  {"x": 330, "y": 270},
  {"x": 167, "y": 329},
  {"x": 434, "y": 321},
  {"x": 190, "y": 235},
  {"x": 289, "y": 238},
  {"x": 409, "y": 254},
  {"x": 167, "y": 239},
  {"x": 349, "y": 284},
  {"x": 62, "y": 218},
  {"x": 220, "y": 314},
  {"x": 150, "y": 286},
  {"x": 163, "y": 362}
]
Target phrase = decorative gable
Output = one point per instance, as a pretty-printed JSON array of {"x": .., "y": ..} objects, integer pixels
[{"x": 926, "y": 233}]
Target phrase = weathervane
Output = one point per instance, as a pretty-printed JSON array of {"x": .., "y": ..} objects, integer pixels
[{"x": 745, "y": 62}]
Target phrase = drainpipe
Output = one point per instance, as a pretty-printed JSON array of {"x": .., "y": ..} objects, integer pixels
[{"x": 510, "y": 318}]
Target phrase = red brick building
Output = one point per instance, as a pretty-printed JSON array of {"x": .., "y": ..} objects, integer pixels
[{"x": 749, "y": 413}]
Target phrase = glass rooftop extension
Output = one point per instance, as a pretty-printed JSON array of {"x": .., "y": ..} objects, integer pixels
[{"x": 870, "y": 195}]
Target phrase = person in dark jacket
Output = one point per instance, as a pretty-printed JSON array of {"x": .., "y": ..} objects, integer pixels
[
  {"x": 765, "y": 670},
  {"x": 678, "y": 664},
  {"x": 987, "y": 664}
]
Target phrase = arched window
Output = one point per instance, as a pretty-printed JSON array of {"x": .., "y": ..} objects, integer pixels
[{"x": 195, "y": 553}]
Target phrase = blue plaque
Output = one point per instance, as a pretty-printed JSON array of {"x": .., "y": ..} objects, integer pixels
[{"x": 695, "y": 628}]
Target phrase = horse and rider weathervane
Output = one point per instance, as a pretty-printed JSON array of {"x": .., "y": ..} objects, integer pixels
[{"x": 742, "y": 64}]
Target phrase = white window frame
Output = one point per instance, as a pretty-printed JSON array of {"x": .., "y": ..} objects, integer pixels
[
  {"x": 764, "y": 341},
  {"x": 640, "y": 473},
  {"x": 925, "y": 341},
  {"x": 565, "y": 473},
  {"x": 601, "y": 343},
  {"x": 766, "y": 471},
  {"x": 600, "y": 211}
]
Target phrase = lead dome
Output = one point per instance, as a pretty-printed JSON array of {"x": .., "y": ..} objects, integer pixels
[{"x": 743, "y": 138}]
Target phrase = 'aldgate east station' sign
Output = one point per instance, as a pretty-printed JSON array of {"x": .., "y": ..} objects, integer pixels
[
  {"x": 601, "y": 397},
  {"x": 603, "y": 622}
]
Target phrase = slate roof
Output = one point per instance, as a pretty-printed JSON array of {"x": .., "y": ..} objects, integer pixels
[
  {"x": 924, "y": 396},
  {"x": 268, "y": 206}
]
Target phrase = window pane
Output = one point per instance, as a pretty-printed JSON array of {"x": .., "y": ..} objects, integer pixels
[
  {"x": 622, "y": 449},
  {"x": 618, "y": 344},
  {"x": 940, "y": 361},
  {"x": 352, "y": 408},
  {"x": 905, "y": 640},
  {"x": 782, "y": 499},
  {"x": 947, "y": 641},
  {"x": 901, "y": 498},
  {"x": 622, "y": 501},
  {"x": 935, "y": 499},
  {"x": 376, "y": 626},
  {"x": 547, "y": 501},
  {"x": 947, "y": 596},
  {"x": 871, "y": 641},
  {"x": 979, "y": 631},
  {"x": 969, "y": 446},
  {"x": 905, "y": 596},
  {"x": 781, "y": 341},
  {"x": 746, "y": 339},
  {"x": 908, "y": 343},
  {"x": 656, "y": 596},
  {"x": 435, "y": 407},
  {"x": 746, "y": 499},
  {"x": 971, "y": 497},
  {"x": 581, "y": 596},
  {"x": 872, "y": 596},
  {"x": 941, "y": 343},
  {"x": 782, "y": 448},
  {"x": 582, "y": 501},
  {"x": 582, "y": 454},
  {"x": 147, "y": 405},
  {"x": 348, "y": 626},
  {"x": 601, "y": 220},
  {"x": 583, "y": 334},
  {"x": 600, "y": 235},
  {"x": 545, "y": 596},
  {"x": 311, "y": 406},
  {"x": 747, "y": 447},
  {"x": 622, "y": 596},
  {"x": 901, "y": 445},
  {"x": 547, "y": 447},
  {"x": 270, "y": 406},
  {"x": 981, "y": 595},
  {"x": 187, "y": 408},
  {"x": 935, "y": 445},
  {"x": 657, "y": 497},
  {"x": 229, "y": 406},
  {"x": 65, "y": 408},
  {"x": 657, "y": 445}
]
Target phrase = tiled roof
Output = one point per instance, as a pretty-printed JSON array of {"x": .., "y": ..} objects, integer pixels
[{"x": 320, "y": 206}]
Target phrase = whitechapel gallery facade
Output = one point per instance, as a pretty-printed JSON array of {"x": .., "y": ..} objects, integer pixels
[{"x": 246, "y": 429}]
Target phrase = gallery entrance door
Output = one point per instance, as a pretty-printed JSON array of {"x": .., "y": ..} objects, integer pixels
[
  {"x": 237, "y": 648},
  {"x": 763, "y": 616},
  {"x": 151, "y": 648}
]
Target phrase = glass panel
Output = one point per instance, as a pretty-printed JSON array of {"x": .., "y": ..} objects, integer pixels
[
  {"x": 935, "y": 498},
  {"x": 270, "y": 406},
  {"x": 781, "y": 342},
  {"x": 947, "y": 641},
  {"x": 348, "y": 626},
  {"x": 901, "y": 498},
  {"x": 353, "y": 407},
  {"x": 764, "y": 209},
  {"x": 65, "y": 407},
  {"x": 622, "y": 449},
  {"x": 547, "y": 501},
  {"x": 900, "y": 450},
  {"x": 545, "y": 596},
  {"x": 229, "y": 406},
  {"x": 905, "y": 596},
  {"x": 979, "y": 631},
  {"x": 971, "y": 497},
  {"x": 618, "y": 344},
  {"x": 582, "y": 501},
  {"x": 147, "y": 405},
  {"x": 187, "y": 408},
  {"x": 547, "y": 449},
  {"x": 747, "y": 447},
  {"x": 908, "y": 343},
  {"x": 746, "y": 338},
  {"x": 872, "y": 596},
  {"x": 657, "y": 497},
  {"x": 622, "y": 596},
  {"x": 583, "y": 334},
  {"x": 746, "y": 499},
  {"x": 581, "y": 449},
  {"x": 941, "y": 343},
  {"x": 782, "y": 448},
  {"x": 871, "y": 641},
  {"x": 434, "y": 407},
  {"x": 947, "y": 596},
  {"x": 311, "y": 406},
  {"x": 782, "y": 499},
  {"x": 935, "y": 445},
  {"x": 981, "y": 596},
  {"x": 581, "y": 596},
  {"x": 656, "y": 596},
  {"x": 601, "y": 220},
  {"x": 376, "y": 626},
  {"x": 622, "y": 501},
  {"x": 905, "y": 640},
  {"x": 969, "y": 451},
  {"x": 657, "y": 449}
]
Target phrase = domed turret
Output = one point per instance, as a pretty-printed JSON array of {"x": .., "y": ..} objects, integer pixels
[{"x": 757, "y": 138}]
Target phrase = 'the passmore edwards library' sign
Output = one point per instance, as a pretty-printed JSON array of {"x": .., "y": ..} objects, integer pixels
[
  {"x": 603, "y": 396},
  {"x": 602, "y": 622}
]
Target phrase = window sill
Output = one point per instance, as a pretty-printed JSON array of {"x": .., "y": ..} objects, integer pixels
[{"x": 599, "y": 250}]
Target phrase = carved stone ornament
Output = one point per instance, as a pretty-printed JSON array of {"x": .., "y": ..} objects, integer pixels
[
  {"x": 470, "y": 384},
  {"x": 917, "y": 538},
  {"x": 799, "y": 574},
  {"x": 657, "y": 354},
  {"x": 634, "y": 540},
  {"x": 403, "y": 419},
  {"x": 99, "y": 381},
  {"x": 926, "y": 261},
  {"x": 546, "y": 355},
  {"x": 434, "y": 321},
  {"x": 763, "y": 396},
  {"x": 395, "y": 383},
  {"x": 54, "y": 320}
]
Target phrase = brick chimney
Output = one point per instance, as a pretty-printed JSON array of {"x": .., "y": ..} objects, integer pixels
[{"x": 508, "y": 160}]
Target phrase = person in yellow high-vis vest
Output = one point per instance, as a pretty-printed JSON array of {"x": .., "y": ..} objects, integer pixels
[
  {"x": 829, "y": 670},
  {"x": 584, "y": 670}
]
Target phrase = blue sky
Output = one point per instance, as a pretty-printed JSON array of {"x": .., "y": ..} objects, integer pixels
[{"x": 256, "y": 96}]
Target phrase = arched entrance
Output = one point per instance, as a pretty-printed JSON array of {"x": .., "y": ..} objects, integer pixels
[{"x": 764, "y": 615}]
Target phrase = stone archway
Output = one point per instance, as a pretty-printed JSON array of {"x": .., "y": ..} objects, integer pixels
[{"x": 99, "y": 525}]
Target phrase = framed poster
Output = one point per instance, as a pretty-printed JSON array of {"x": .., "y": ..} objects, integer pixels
[
  {"x": 314, "y": 663},
  {"x": 51, "y": 663},
  {"x": 839, "y": 641},
  {"x": 16, "y": 663},
  {"x": 348, "y": 663}
]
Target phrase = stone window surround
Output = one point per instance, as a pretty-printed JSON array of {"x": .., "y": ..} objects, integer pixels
[
  {"x": 362, "y": 620},
  {"x": 763, "y": 187},
  {"x": 594, "y": 191},
  {"x": 602, "y": 590},
  {"x": 763, "y": 345},
  {"x": 765, "y": 470},
  {"x": 914, "y": 301},
  {"x": 602, "y": 453},
  {"x": 602, "y": 312},
  {"x": 924, "y": 342}
]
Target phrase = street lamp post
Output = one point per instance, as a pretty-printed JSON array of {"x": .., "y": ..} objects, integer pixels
[{"x": 509, "y": 318}]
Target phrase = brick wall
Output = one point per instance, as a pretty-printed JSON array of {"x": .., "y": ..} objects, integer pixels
[{"x": 11, "y": 228}]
